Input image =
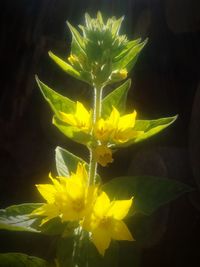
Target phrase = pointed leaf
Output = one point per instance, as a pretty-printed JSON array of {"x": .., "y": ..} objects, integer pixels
[
  {"x": 149, "y": 192},
  {"x": 117, "y": 25},
  {"x": 127, "y": 48},
  {"x": 77, "y": 37},
  {"x": 116, "y": 98},
  {"x": 66, "y": 162},
  {"x": 67, "y": 67},
  {"x": 150, "y": 128},
  {"x": 71, "y": 132},
  {"x": 20, "y": 260},
  {"x": 88, "y": 20},
  {"x": 17, "y": 218},
  {"x": 56, "y": 101},
  {"x": 130, "y": 56}
]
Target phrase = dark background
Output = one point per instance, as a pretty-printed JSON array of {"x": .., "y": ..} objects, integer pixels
[{"x": 164, "y": 83}]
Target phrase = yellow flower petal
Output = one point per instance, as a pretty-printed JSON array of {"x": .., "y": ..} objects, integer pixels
[
  {"x": 47, "y": 191},
  {"x": 127, "y": 121},
  {"x": 119, "y": 208},
  {"x": 68, "y": 118},
  {"x": 102, "y": 205},
  {"x": 82, "y": 173},
  {"x": 101, "y": 240},
  {"x": 81, "y": 119},
  {"x": 50, "y": 211},
  {"x": 120, "y": 231},
  {"x": 114, "y": 117}
]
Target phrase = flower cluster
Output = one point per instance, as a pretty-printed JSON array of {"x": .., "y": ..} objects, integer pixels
[
  {"x": 73, "y": 199},
  {"x": 105, "y": 133}
]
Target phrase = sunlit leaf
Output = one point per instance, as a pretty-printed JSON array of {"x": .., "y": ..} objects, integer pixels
[
  {"x": 127, "y": 48},
  {"x": 149, "y": 192},
  {"x": 150, "y": 128},
  {"x": 71, "y": 132},
  {"x": 17, "y": 218},
  {"x": 66, "y": 162},
  {"x": 56, "y": 101},
  {"x": 117, "y": 25},
  {"x": 20, "y": 260},
  {"x": 116, "y": 98},
  {"x": 77, "y": 37},
  {"x": 129, "y": 57},
  {"x": 66, "y": 67}
]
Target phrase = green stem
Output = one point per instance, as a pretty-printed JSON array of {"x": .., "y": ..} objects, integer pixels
[{"x": 96, "y": 116}]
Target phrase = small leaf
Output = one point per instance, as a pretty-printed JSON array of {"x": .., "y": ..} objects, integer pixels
[
  {"x": 127, "y": 48},
  {"x": 56, "y": 101},
  {"x": 77, "y": 37},
  {"x": 116, "y": 98},
  {"x": 17, "y": 218},
  {"x": 66, "y": 162},
  {"x": 150, "y": 128},
  {"x": 129, "y": 57},
  {"x": 149, "y": 192},
  {"x": 67, "y": 67},
  {"x": 72, "y": 132},
  {"x": 117, "y": 25},
  {"x": 88, "y": 20},
  {"x": 20, "y": 260}
]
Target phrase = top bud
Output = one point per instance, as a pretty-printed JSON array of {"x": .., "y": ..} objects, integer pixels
[{"x": 100, "y": 52}]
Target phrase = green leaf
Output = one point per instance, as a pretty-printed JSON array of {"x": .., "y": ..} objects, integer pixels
[
  {"x": 88, "y": 20},
  {"x": 149, "y": 192},
  {"x": 127, "y": 48},
  {"x": 116, "y": 98},
  {"x": 67, "y": 67},
  {"x": 72, "y": 132},
  {"x": 150, "y": 128},
  {"x": 130, "y": 56},
  {"x": 66, "y": 162},
  {"x": 56, "y": 101},
  {"x": 17, "y": 218},
  {"x": 117, "y": 25},
  {"x": 20, "y": 260},
  {"x": 77, "y": 37}
]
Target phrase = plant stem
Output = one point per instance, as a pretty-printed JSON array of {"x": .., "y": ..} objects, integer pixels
[{"x": 96, "y": 116}]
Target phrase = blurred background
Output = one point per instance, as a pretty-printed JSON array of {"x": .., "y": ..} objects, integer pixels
[{"x": 165, "y": 82}]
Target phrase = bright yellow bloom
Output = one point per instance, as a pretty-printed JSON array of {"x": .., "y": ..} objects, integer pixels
[
  {"x": 82, "y": 119},
  {"x": 103, "y": 155},
  {"x": 103, "y": 130},
  {"x": 70, "y": 198},
  {"x": 116, "y": 129},
  {"x": 105, "y": 222}
]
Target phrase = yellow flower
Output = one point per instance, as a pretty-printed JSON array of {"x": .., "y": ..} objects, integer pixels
[
  {"x": 82, "y": 119},
  {"x": 103, "y": 130},
  {"x": 116, "y": 129},
  {"x": 103, "y": 155},
  {"x": 70, "y": 198},
  {"x": 105, "y": 222}
]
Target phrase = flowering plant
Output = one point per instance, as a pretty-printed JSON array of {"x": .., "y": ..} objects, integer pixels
[{"x": 85, "y": 213}]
